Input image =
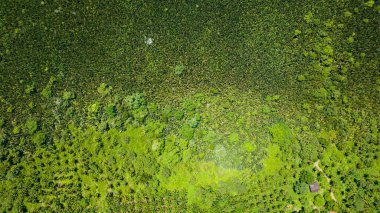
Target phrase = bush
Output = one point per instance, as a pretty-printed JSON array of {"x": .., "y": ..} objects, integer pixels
[
  {"x": 32, "y": 125},
  {"x": 178, "y": 69},
  {"x": 136, "y": 100},
  {"x": 306, "y": 177},
  {"x": 301, "y": 188},
  {"x": 319, "y": 201},
  {"x": 104, "y": 89},
  {"x": 39, "y": 138},
  {"x": 68, "y": 95},
  {"x": 187, "y": 132}
]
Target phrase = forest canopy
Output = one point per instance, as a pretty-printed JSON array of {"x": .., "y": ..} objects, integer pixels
[{"x": 198, "y": 106}]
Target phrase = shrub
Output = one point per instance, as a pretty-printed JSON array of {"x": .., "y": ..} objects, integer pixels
[
  {"x": 104, "y": 89},
  {"x": 306, "y": 177},
  {"x": 301, "y": 188},
  {"x": 178, "y": 69},
  {"x": 32, "y": 125},
  {"x": 234, "y": 137},
  {"x": 301, "y": 78},
  {"x": 308, "y": 17},
  {"x": 194, "y": 121},
  {"x": 136, "y": 100},
  {"x": 46, "y": 92},
  {"x": 68, "y": 95},
  {"x": 30, "y": 89},
  {"x": 319, "y": 201},
  {"x": 328, "y": 50},
  {"x": 39, "y": 138},
  {"x": 187, "y": 132},
  {"x": 321, "y": 93},
  {"x": 110, "y": 111}
]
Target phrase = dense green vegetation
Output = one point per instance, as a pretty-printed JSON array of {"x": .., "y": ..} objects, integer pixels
[{"x": 208, "y": 106}]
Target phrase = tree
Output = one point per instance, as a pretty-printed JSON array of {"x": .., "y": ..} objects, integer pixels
[
  {"x": 301, "y": 188},
  {"x": 318, "y": 200},
  {"x": 306, "y": 177},
  {"x": 359, "y": 204}
]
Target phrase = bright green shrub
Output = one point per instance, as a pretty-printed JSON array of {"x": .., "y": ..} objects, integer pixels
[{"x": 31, "y": 125}]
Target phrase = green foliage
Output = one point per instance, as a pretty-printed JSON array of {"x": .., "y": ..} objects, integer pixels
[
  {"x": 301, "y": 78},
  {"x": 194, "y": 121},
  {"x": 377, "y": 8},
  {"x": 140, "y": 113},
  {"x": 179, "y": 69},
  {"x": 94, "y": 108},
  {"x": 329, "y": 23},
  {"x": 345, "y": 100},
  {"x": 308, "y": 17},
  {"x": 47, "y": 91},
  {"x": 212, "y": 137},
  {"x": 281, "y": 134},
  {"x": 272, "y": 98},
  {"x": 39, "y": 138},
  {"x": 347, "y": 14},
  {"x": 248, "y": 147},
  {"x": 31, "y": 105},
  {"x": 3, "y": 137},
  {"x": 136, "y": 101},
  {"x": 104, "y": 89},
  {"x": 301, "y": 188},
  {"x": 328, "y": 61},
  {"x": 68, "y": 95},
  {"x": 350, "y": 39},
  {"x": 306, "y": 177},
  {"x": 30, "y": 89},
  {"x": 180, "y": 114},
  {"x": 359, "y": 205},
  {"x": 328, "y": 50},
  {"x": 153, "y": 108},
  {"x": 369, "y": 3},
  {"x": 307, "y": 107},
  {"x": 187, "y": 132},
  {"x": 234, "y": 138},
  {"x": 16, "y": 130},
  {"x": 110, "y": 110},
  {"x": 190, "y": 151},
  {"x": 266, "y": 109},
  {"x": 272, "y": 164},
  {"x": 319, "y": 200},
  {"x": 10, "y": 109},
  {"x": 327, "y": 137},
  {"x": 321, "y": 93},
  {"x": 31, "y": 125}
]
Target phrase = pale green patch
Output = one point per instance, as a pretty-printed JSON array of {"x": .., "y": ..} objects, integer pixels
[
  {"x": 234, "y": 137},
  {"x": 273, "y": 164},
  {"x": 248, "y": 146},
  {"x": 200, "y": 174},
  {"x": 194, "y": 177}
]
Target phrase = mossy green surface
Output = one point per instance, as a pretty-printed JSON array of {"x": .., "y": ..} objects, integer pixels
[{"x": 197, "y": 106}]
